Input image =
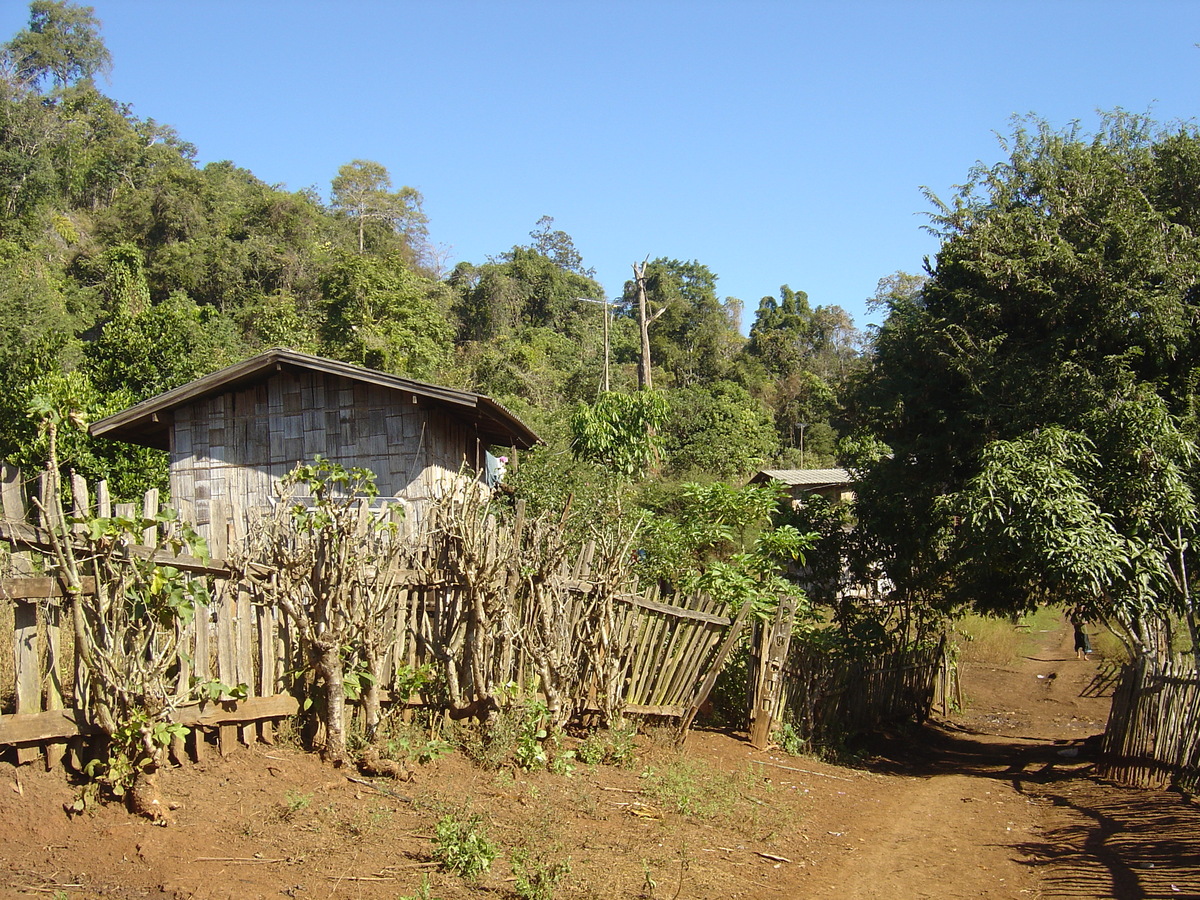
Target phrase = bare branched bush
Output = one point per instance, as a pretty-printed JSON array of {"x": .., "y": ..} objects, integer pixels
[
  {"x": 126, "y": 631},
  {"x": 334, "y": 565}
]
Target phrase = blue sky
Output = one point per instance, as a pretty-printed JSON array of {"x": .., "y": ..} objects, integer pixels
[{"x": 777, "y": 143}]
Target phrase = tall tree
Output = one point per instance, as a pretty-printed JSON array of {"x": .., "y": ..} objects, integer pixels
[
  {"x": 62, "y": 45},
  {"x": 557, "y": 245},
  {"x": 363, "y": 191},
  {"x": 1064, "y": 297},
  {"x": 696, "y": 336}
]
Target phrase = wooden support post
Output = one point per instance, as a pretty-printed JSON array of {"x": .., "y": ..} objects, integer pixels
[
  {"x": 12, "y": 496},
  {"x": 770, "y": 681},
  {"x": 82, "y": 504},
  {"x": 54, "y": 696},
  {"x": 103, "y": 501},
  {"x": 244, "y": 650},
  {"x": 227, "y": 738},
  {"x": 28, "y": 670},
  {"x": 266, "y": 658},
  {"x": 149, "y": 511},
  {"x": 198, "y": 743}
]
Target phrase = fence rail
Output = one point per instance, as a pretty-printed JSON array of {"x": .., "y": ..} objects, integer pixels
[{"x": 660, "y": 653}]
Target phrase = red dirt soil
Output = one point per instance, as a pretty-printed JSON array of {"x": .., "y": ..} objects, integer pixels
[{"x": 995, "y": 802}]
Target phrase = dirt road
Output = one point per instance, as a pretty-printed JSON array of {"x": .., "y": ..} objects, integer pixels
[
  {"x": 997, "y": 801},
  {"x": 994, "y": 802}
]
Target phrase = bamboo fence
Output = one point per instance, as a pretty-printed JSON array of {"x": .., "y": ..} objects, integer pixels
[
  {"x": 1153, "y": 735},
  {"x": 656, "y": 657},
  {"x": 826, "y": 696}
]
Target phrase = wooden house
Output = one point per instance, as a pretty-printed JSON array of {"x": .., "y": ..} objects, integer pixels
[{"x": 234, "y": 434}]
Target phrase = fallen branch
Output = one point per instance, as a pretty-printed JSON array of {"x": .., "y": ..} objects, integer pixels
[
  {"x": 772, "y": 857},
  {"x": 237, "y": 859},
  {"x": 381, "y": 790},
  {"x": 807, "y": 771}
]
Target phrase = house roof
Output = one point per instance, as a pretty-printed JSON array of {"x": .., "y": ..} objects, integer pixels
[
  {"x": 149, "y": 422},
  {"x": 805, "y": 478}
]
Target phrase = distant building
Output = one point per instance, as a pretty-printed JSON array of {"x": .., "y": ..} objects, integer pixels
[
  {"x": 839, "y": 583},
  {"x": 835, "y": 485}
]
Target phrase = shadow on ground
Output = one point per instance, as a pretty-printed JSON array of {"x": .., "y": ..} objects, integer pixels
[{"x": 1103, "y": 840}]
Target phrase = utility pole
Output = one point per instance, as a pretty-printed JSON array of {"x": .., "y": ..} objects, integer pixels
[{"x": 606, "y": 314}]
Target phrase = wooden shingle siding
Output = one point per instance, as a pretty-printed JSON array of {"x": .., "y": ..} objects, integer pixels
[{"x": 242, "y": 443}]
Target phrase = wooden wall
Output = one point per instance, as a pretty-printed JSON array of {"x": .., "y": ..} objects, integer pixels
[{"x": 237, "y": 446}]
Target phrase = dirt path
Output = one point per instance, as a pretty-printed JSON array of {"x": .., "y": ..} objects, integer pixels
[
  {"x": 985, "y": 804},
  {"x": 997, "y": 801}
]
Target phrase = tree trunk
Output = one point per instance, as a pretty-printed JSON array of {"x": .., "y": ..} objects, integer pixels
[
  {"x": 329, "y": 668},
  {"x": 644, "y": 378}
]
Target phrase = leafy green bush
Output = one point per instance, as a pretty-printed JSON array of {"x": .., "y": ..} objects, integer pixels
[{"x": 462, "y": 847}]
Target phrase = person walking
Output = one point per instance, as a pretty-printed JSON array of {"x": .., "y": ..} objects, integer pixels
[{"x": 1083, "y": 643}]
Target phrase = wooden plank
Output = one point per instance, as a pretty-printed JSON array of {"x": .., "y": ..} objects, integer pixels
[
  {"x": 677, "y": 612},
  {"x": 39, "y": 539},
  {"x": 60, "y": 724},
  {"x": 202, "y": 628},
  {"x": 12, "y": 494},
  {"x": 54, "y": 691},
  {"x": 149, "y": 511},
  {"x": 81, "y": 501},
  {"x": 244, "y": 649},
  {"x": 227, "y": 739},
  {"x": 54, "y": 724},
  {"x": 650, "y": 710},
  {"x": 103, "y": 500},
  {"x": 226, "y": 661},
  {"x": 28, "y": 669},
  {"x": 40, "y": 588},
  {"x": 265, "y": 623},
  {"x": 762, "y": 715}
]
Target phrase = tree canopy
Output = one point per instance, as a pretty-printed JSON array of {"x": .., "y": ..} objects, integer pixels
[{"x": 1037, "y": 392}]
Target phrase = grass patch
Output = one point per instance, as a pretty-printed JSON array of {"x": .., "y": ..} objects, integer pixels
[
  {"x": 992, "y": 641},
  {"x": 696, "y": 790}
]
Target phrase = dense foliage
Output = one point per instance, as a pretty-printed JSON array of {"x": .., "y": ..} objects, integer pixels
[{"x": 1038, "y": 391}]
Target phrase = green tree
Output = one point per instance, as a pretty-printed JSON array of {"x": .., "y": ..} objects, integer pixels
[
  {"x": 1063, "y": 297},
  {"x": 62, "y": 44},
  {"x": 812, "y": 355},
  {"x": 557, "y": 246},
  {"x": 381, "y": 314},
  {"x": 363, "y": 191},
  {"x": 523, "y": 288},
  {"x": 619, "y": 432},
  {"x": 717, "y": 430}
]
